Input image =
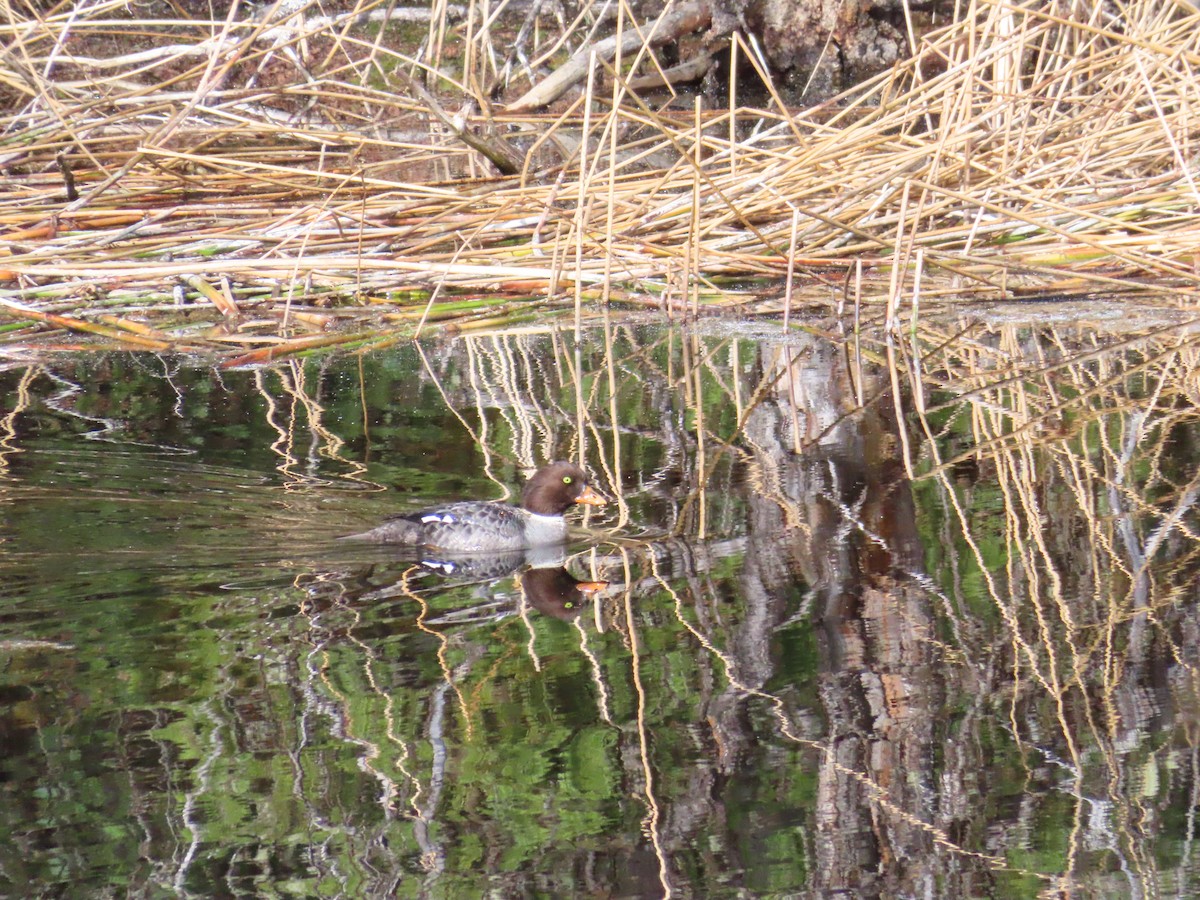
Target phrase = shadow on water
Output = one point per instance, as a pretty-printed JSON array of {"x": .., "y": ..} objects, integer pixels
[{"x": 880, "y": 618}]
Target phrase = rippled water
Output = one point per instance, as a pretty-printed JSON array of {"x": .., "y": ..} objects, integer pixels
[{"x": 881, "y": 619}]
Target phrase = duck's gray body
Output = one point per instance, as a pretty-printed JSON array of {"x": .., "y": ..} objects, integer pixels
[{"x": 469, "y": 526}]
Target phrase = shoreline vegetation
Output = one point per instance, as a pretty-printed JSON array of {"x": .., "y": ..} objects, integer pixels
[{"x": 259, "y": 187}]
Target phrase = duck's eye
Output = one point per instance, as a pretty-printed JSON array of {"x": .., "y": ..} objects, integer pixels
[{"x": 567, "y": 479}]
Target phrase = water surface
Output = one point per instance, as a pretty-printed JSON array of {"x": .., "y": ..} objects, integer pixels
[{"x": 883, "y": 618}]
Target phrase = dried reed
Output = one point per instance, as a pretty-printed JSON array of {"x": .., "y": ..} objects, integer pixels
[{"x": 1041, "y": 149}]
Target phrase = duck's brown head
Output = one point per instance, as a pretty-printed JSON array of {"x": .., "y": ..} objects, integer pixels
[{"x": 553, "y": 489}]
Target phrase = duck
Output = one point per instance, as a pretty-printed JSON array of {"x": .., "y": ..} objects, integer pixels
[{"x": 470, "y": 526}]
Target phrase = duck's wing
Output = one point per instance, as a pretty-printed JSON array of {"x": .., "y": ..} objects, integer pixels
[{"x": 470, "y": 527}]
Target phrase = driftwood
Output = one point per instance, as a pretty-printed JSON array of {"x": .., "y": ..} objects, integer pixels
[
  {"x": 688, "y": 17},
  {"x": 500, "y": 152},
  {"x": 695, "y": 68}
]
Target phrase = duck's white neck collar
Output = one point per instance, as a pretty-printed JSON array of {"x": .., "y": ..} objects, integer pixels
[{"x": 542, "y": 529}]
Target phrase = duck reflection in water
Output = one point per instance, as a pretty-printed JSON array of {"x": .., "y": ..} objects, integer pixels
[
  {"x": 545, "y": 581},
  {"x": 558, "y": 593}
]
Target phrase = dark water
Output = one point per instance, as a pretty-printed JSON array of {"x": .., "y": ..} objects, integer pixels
[{"x": 899, "y": 621}]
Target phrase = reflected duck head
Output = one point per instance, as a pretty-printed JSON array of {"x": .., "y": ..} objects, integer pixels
[{"x": 558, "y": 593}]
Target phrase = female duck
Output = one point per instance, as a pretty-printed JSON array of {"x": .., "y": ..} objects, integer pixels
[{"x": 479, "y": 527}]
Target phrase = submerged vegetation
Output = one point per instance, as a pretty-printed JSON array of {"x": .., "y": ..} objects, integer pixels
[{"x": 259, "y": 186}]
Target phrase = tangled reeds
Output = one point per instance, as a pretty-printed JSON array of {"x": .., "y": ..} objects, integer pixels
[{"x": 266, "y": 180}]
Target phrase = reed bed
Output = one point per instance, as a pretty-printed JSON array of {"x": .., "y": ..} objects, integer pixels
[{"x": 271, "y": 185}]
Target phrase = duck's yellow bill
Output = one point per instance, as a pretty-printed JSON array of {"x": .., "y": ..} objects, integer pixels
[{"x": 589, "y": 497}]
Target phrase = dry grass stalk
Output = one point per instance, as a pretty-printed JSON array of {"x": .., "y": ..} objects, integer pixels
[{"x": 1039, "y": 149}]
